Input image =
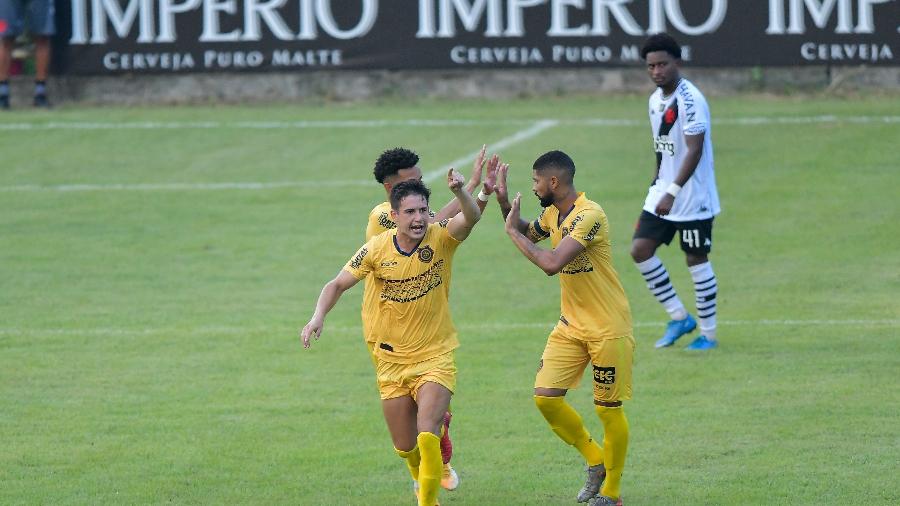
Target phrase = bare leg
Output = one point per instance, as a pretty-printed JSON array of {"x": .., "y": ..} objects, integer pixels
[
  {"x": 400, "y": 415},
  {"x": 6, "y": 57},
  {"x": 41, "y": 57}
]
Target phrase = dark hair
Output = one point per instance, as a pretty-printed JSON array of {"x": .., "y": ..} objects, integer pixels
[
  {"x": 392, "y": 161},
  {"x": 661, "y": 42},
  {"x": 556, "y": 160},
  {"x": 406, "y": 188}
]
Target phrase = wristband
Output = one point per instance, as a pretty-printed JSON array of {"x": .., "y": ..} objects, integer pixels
[
  {"x": 483, "y": 196},
  {"x": 673, "y": 189}
]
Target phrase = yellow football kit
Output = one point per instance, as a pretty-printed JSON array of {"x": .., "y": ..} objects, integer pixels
[
  {"x": 410, "y": 318},
  {"x": 595, "y": 320},
  {"x": 379, "y": 221}
]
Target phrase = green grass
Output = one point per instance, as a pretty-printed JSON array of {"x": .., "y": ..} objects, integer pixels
[{"x": 148, "y": 347}]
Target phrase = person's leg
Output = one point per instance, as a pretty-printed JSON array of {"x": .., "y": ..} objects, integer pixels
[
  {"x": 706, "y": 287},
  {"x": 652, "y": 231},
  {"x": 432, "y": 400},
  {"x": 562, "y": 363},
  {"x": 400, "y": 415},
  {"x": 612, "y": 360},
  {"x": 41, "y": 68},
  {"x": 6, "y": 48}
]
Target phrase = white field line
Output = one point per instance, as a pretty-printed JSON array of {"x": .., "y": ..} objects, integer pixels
[
  {"x": 533, "y": 130},
  {"x": 225, "y": 330},
  {"x": 505, "y": 142},
  {"x": 437, "y": 123}
]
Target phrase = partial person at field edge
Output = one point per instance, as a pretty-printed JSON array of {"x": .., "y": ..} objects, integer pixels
[
  {"x": 683, "y": 199},
  {"x": 594, "y": 324},
  {"x": 411, "y": 266},
  {"x": 41, "y": 26},
  {"x": 392, "y": 167}
]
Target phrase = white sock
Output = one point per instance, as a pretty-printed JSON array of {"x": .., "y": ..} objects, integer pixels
[
  {"x": 657, "y": 278},
  {"x": 705, "y": 288}
]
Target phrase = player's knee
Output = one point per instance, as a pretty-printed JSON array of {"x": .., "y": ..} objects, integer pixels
[{"x": 640, "y": 252}]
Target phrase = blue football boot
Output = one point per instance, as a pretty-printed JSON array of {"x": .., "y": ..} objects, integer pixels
[
  {"x": 676, "y": 329},
  {"x": 702, "y": 343}
]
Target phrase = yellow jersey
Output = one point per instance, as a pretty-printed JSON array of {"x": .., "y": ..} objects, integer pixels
[
  {"x": 410, "y": 319},
  {"x": 379, "y": 221},
  {"x": 593, "y": 303}
]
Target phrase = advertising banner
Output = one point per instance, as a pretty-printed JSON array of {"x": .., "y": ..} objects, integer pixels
[{"x": 179, "y": 36}]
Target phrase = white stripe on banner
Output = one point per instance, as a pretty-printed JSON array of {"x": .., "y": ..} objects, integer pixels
[{"x": 105, "y": 331}]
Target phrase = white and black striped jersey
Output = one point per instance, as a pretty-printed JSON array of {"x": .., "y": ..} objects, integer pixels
[{"x": 685, "y": 112}]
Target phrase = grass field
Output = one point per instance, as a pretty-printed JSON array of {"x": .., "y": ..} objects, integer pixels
[{"x": 156, "y": 265}]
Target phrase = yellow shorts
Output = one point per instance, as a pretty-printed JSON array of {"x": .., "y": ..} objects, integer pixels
[
  {"x": 565, "y": 358},
  {"x": 372, "y": 356},
  {"x": 397, "y": 380}
]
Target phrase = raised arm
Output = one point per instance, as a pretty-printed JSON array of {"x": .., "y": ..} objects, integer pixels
[
  {"x": 461, "y": 225},
  {"x": 327, "y": 299},
  {"x": 452, "y": 208},
  {"x": 550, "y": 261},
  {"x": 688, "y": 166}
]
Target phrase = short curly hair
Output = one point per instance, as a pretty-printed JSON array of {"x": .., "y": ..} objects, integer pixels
[
  {"x": 392, "y": 161},
  {"x": 661, "y": 42}
]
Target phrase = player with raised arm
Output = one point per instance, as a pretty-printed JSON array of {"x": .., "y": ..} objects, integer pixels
[
  {"x": 415, "y": 337},
  {"x": 392, "y": 167},
  {"x": 594, "y": 324},
  {"x": 683, "y": 198}
]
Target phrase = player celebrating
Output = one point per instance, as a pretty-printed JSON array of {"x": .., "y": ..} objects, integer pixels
[
  {"x": 415, "y": 336},
  {"x": 595, "y": 324},
  {"x": 683, "y": 198},
  {"x": 392, "y": 167}
]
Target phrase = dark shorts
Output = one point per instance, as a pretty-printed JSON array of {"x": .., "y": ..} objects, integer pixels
[
  {"x": 39, "y": 15},
  {"x": 694, "y": 236}
]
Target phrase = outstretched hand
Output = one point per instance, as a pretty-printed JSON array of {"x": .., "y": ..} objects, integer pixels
[
  {"x": 501, "y": 188},
  {"x": 512, "y": 219},
  {"x": 490, "y": 180},
  {"x": 455, "y": 180},
  {"x": 477, "y": 170}
]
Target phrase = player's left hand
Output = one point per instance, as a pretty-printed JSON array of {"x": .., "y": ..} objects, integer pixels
[
  {"x": 512, "y": 219},
  {"x": 312, "y": 329},
  {"x": 665, "y": 204},
  {"x": 490, "y": 181},
  {"x": 455, "y": 180},
  {"x": 477, "y": 170}
]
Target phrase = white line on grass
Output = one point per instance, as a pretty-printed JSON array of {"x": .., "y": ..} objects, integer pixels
[
  {"x": 505, "y": 142},
  {"x": 270, "y": 125},
  {"x": 107, "y": 331}
]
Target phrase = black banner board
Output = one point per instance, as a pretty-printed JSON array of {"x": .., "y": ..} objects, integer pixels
[{"x": 179, "y": 36}]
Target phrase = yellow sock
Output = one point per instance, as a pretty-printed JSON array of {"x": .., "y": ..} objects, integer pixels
[
  {"x": 412, "y": 458},
  {"x": 615, "y": 446},
  {"x": 566, "y": 423},
  {"x": 431, "y": 468}
]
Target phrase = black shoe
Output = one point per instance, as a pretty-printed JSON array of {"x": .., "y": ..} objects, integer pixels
[
  {"x": 4, "y": 101},
  {"x": 41, "y": 101}
]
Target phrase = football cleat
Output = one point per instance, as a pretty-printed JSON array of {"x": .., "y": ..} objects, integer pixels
[
  {"x": 449, "y": 479},
  {"x": 602, "y": 500},
  {"x": 595, "y": 476},
  {"x": 676, "y": 329},
  {"x": 702, "y": 343}
]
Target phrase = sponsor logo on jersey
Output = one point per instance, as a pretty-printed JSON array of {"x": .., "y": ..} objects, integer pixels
[
  {"x": 410, "y": 289},
  {"x": 356, "y": 263},
  {"x": 392, "y": 263},
  {"x": 604, "y": 375},
  {"x": 662, "y": 144},
  {"x": 426, "y": 254},
  {"x": 579, "y": 264},
  {"x": 593, "y": 232},
  {"x": 386, "y": 222},
  {"x": 541, "y": 364}
]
